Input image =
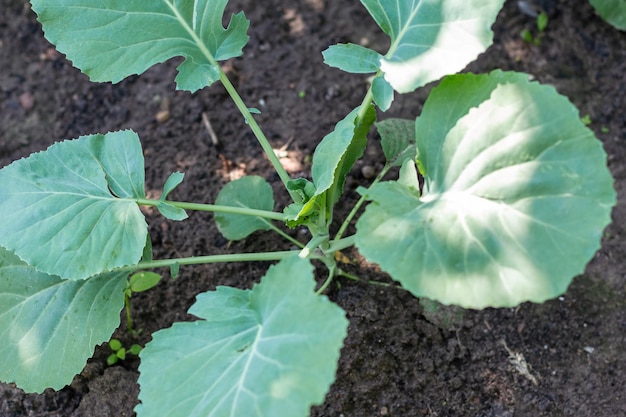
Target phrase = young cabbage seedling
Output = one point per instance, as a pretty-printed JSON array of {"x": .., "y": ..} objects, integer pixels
[{"x": 514, "y": 197}]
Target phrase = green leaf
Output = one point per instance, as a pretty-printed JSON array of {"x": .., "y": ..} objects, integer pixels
[
  {"x": 248, "y": 192},
  {"x": 170, "y": 212},
  {"x": 146, "y": 255},
  {"x": 430, "y": 39},
  {"x": 174, "y": 270},
  {"x": 397, "y": 138},
  {"x": 337, "y": 153},
  {"x": 173, "y": 181},
  {"x": 271, "y": 351},
  {"x": 115, "y": 345},
  {"x": 332, "y": 160},
  {"x": 352, "y": 58},
  {"x": 613, "y": 11},
  {"x": 408, "y": 176},
  {"x": 109, "y": 40},
  {"x": 112, "y": 359},
  {"x": 121, "y": 353},
  {"x": 382, "y": 92},
  {"x": 71, "y": 210},
  {"x": 143, "y": 281},
  {"x": 49, "y": 326},
  {"x": 514, "y": 205}
]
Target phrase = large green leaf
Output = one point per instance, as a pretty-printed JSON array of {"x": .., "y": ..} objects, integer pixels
[
  {"x": 49, "y": 326},
  {"x": 613, "y": 11},
  {"x": 247, "y": 192},
  {"x": 516, "y": 196},
  {"x": 110, "y": 39},
  {"x": 71, "y": 210},
  {"x": 430, "y": 39},
  {"x": 271, "y": 351}
]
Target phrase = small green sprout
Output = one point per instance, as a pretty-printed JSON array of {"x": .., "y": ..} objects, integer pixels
[
  {"x": 541, "y": 23},
  {"x": 119, "y": 351}
]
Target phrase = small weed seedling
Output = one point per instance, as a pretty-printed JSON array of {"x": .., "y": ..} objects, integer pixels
[
  {"x": 542, "y": 23},
  {"x": 120, "y": 352},
  {"x": 514, "y": 200}
]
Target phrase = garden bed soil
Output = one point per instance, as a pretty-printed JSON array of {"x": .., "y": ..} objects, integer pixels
[{"x": 398, "y": 359}]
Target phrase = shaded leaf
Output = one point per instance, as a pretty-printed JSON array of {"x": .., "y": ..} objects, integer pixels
[
  {"x": 271, "y": 351},
  {"x": 248, "y": 192},
  {"x": 613, "y": 11},
  {"x": 397, "y": 138}
]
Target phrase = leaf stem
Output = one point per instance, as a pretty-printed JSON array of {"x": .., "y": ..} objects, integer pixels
[
  {"x": 331, "y": 274},
  {"x": 216, "y": 208},
  {"x": 357, "y": 206},
  {"x": 258, "y": 133},
  {"x": 210, "y": 259},
  {"x": 344, "y": 274}
]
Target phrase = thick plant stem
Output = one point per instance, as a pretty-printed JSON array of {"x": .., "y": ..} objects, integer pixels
[{"x": 260, "y": 136}]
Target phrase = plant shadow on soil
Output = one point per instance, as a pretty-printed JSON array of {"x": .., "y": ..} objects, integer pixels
[{"x": 397, "y": 360}]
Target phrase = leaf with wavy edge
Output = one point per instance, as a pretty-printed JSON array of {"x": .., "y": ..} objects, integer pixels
[
  {"x": 49, "y": 326},
  {"x": 516, "y": 196},
  {"x": 430, "y": 39},
  {"x": 71, "y": 210},
  {"x": 109, "y": 40},
  {"x": 271, "y": 351}
]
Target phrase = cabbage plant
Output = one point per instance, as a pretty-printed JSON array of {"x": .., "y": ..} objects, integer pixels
[{"x": 502, "y": 197}]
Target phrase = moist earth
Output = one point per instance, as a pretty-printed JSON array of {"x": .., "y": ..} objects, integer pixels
[{"x": 565, "y": 357}]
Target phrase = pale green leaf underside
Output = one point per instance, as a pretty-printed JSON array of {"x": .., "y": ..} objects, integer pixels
[
  {"x": 515, "y": 201},
  {"x": 48, "y": 326},
  {"x": 613, "y": 11},
  {"x": 71, "y": 210},
  {"x": 268, "y": 352},
  {"x": 352, "y": 58},
  {"x": 430, "y": 39},
  {"x": 109, "y": 40},
  {"x": 251, "y": 192}
]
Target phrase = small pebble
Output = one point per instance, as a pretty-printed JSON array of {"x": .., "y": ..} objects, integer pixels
[
  {"x": 27, "y": 101},
  {"x": 163, "y": 116},
  {"x": 368, "y": 172}
]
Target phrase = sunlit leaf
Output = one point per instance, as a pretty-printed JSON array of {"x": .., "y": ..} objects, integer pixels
[
  {"x": 515, "y": 201},
  {"x": 49, "y": 326},
  {"x": 430, "y": 39},
  {"x": 247, "y": 192},
  {"x": 267, "y": 352},
  {"x": 71, "y": 210},
  {"x": 109, "y": 40}
]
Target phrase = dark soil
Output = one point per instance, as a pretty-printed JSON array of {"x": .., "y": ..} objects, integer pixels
[{"x": 397, "y": 360}]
